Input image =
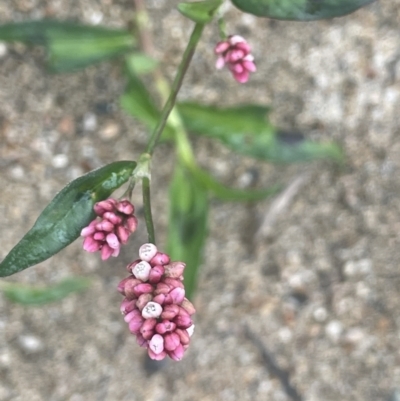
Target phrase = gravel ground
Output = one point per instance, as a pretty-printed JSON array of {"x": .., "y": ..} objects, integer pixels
[{"x": 297, "y": 305}]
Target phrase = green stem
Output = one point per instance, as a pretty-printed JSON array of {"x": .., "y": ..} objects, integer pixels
[
  {"x": 169, "y": 105},
  {"x": 147, "y": 210}
]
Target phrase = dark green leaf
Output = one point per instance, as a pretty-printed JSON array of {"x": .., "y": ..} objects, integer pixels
[
  {"x": 137, "y": 102},
  {"x": 246, "y": 130},
  {"x": 300, "y": 10},
  {"x": 63, "y": 219},
  {"x": 187, "y": 227},
  {"x": 33, "y": 296},
  {"x": 200, "y": 11},
  {"x": 70, "y": 46}
]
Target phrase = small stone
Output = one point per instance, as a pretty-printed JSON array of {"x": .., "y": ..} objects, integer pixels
[
  {"x": 320, "y": 314},
  {"x": 30, "y": 344},
  {"x": 334, "y": 330},
  {"x": 109, "y": 131},
  {"x": 3, "y": 49},
  {"x": 89, "y": 122},
  {"x": 60, "y": 161}
]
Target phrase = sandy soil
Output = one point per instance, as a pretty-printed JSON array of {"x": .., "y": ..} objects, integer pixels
[{"x": 305, "y": 308}]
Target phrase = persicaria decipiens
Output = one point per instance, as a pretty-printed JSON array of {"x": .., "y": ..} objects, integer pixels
[
  {"x": 235, "y": 54},
  {"x": 113, "y": 226},
  {"x": 155, "y": 306}
]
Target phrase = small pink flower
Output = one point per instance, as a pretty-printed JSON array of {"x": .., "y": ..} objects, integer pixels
[
  {"x": 112, "y": 228},
  {"x": 235, "y": 54},
  {"x": 155, "y": 307}
]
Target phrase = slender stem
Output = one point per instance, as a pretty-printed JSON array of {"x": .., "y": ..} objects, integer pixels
[
  {"x": 187, "y": 57},
  {"x": 147, "y": 209}
]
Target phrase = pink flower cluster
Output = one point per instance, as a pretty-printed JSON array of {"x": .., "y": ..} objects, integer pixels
[
  {"x": 115, "y": 223},
  {"x": 235, "y": 54},
  {"x": 155, "y": 306}
]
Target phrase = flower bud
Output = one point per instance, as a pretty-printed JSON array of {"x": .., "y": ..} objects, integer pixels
[
  {"x": 147, "y": 252},
  {"x": 104, "y": 206},
  {"x": 177, "y": 353},
  {"x": 125, "y": 207},
  {"x": 156, "y": 357},
  {"x": 184, "y": 337},
  {"x": 143, "y": 300},
  {"x": 106, "y": 252},
  {"x": 99, "y": 236},
  {"x": 165, "y": 326},
  {"x": 132, "y": 265},
  {"x": 177, "y": 294},
  {"x": 131, "y": 224},
  {"x": 141, "y": 341},
  {"x": 160, "y": 259},
  {"x": 182, "y": 321},
  {"x": 148, "y": 327},
  {"x": 156, "y": 344},
  {"x": 190, "y": 330},
  {"x": 171, "y": 341},
  {"x": 105, "y": 225},
  {"x": 162, "y": 288},
  {"x": 121, "y": 285},
  {"x": 90, "y": 245},
  {"x": 155, "y": 274},
  {"x": 90, "y": 229},
  {"x": 170, "y": 312},
  {"x": 175, "y": 269},
  {"x": 122, "y": 234},
  {"x": 173, "y": 282},
  {"x": 142, "y": 271},
  {"x": 127, "y": 306},
  {"x": 188, "y": 306},
  {"x": 112, "y": 218},
  {"x": 135, "y": 324},
  {"x": 152, "y": 309},
  {"x": 160, "y": 298},
  {"x": 112, "y": 241},
  {"x": 142, "y": 288},
  {"x": 129, "y": 287},
  {"x": 134, "y": 314}
]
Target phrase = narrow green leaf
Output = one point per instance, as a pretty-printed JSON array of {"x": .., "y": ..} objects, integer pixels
[
  {"x": 200, "y": 11},
  {"x": 62, "y": 220},
  {"x": 300, "y": 10},
  {"x": 34, "y": 296},
  {"x": 246, "y": 130},
  {"x": 70, "y": 46},
  {"x": 140, "y": 63},
  {"x": 137, "y": 101},
  {"x": 187, "y": 227}
]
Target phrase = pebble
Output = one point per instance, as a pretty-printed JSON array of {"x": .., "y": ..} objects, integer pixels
[
  {"x": 60, "y": 161},
  {"x": 30, "y": 344},
  {"x": 320, "y": 314},
  {"x": 89, "y": 122},
  {"x": 334, "y": 330},
  {"x": 3, "y": 49},
  {"x": 109, "y": 131}
]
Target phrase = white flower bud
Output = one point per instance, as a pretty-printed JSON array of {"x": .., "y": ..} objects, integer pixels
[
  {"x": 190, "y": 330},
  {"x": 142, "y": 271},
  {"x": 147, "y": 252},
  {"x": 152, "y": 309}
]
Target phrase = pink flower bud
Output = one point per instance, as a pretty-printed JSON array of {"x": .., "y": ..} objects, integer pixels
[
  {"x": 173, "y": 282},
  {"x": 105, "y": 225},
  {"x": 131, "y": 224},
  {"x": 134, "y": 314},
  {"x": 156, "y": 344},
  {"x": 121, "y": 285},
  {"x": 135, "y": 324},
  {"x": 129, "y": 288},
  {"x": 125, "y": 207},
  {"x": 90, "y": 229},
  {"x": 175, "y": 269},
  {"x": 184, "y": 337},
  {"x": 177, "y": 353},
  {"x": 171, "y": 341},
  {"x": 112, "y": 241},
  {"x": 148, "y": 328},
  {"x": 152, "y": 309},
  {"x": 99, "y": 236},
  {"x": 116, "y": 252},
  {"x": 156, "y": 357},
  {"x": 147, "y": 252},
  {"x": 90, "y": 245},
  {"x": 160, "y": 259},
  {"x": 142, "y": 271},
  {"x": 122, "y": 233},
  {"x": 143, "y": 288},
  {"x": 106, "y": 252},
  {"x": 155, "y": 274},
  {"x": 127, "y": 306},
  {"x": 165, "y": 326},
  {"x": 188, "y": 306},
  {"x": 160, "y": 298},
  {"x": 112, "y": 218},
  {"x": 182, "y": 321},
  {"x": 143, "y": 300},
  {"x": 162, "y": 288},
  {"x": 170, "y": 312},
  {"x": 141, "y": 341},
  {"x": 104, "y": 206},
  {"x": 177, "y": 295}
]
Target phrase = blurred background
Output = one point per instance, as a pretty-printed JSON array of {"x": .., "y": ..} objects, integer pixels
[{"x": 296, "y": 303}]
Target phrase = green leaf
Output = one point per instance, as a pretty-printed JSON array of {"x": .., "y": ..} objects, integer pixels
[
  {"x": 70, "y": 46},
  {"x": 300, "y": 10},
  {"x": 187, "y": 227},
  {"x": 137, "y": 101},
  {"x": 34, "y": 296},
  {"x": 246, "y": 130},
  {"x": 62, "y": 220},
  {"x": 200, "y": 11}
]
